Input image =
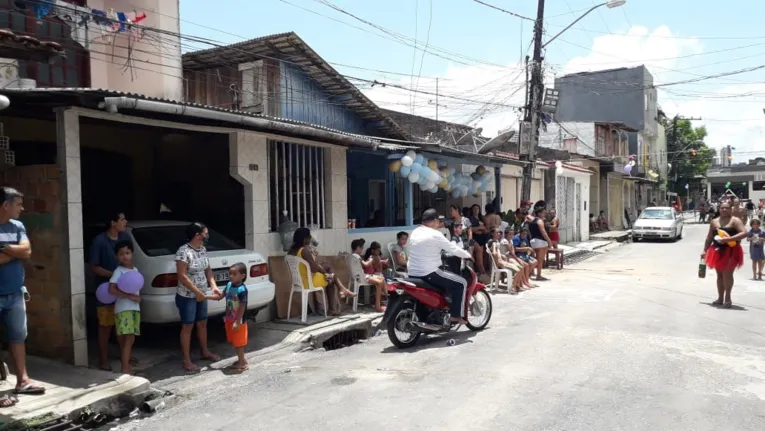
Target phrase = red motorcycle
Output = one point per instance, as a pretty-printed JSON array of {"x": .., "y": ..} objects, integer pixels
[{"x": 415, "y": 307}]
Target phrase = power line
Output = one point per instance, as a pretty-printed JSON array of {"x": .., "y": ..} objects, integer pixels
[{"x": 504, "y": 10}]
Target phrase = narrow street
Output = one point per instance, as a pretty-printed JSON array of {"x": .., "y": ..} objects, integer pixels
[{"x": 623, "y": 341}]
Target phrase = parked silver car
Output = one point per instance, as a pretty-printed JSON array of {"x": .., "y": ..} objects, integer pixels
[{"x": 658, "y": 223}]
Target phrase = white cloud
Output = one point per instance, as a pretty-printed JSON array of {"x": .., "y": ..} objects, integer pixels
[
  {"x": 480, "y": 96},
  {"x": 660, "y": 49},
  {"x": 657, "y": 49}
]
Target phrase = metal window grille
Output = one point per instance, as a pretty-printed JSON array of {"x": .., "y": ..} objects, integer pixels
[{"x": 296, "y": 184}]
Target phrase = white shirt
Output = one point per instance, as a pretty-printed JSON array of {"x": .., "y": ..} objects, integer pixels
[
  {"x": 123, "y": 304},
  {"x": 425, "y": 246}
]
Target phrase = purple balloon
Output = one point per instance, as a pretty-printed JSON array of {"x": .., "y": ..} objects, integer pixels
[
  {"x": 130, "y": 282},
  {"x": 103, "y": 294},
  {"x": 628, "y": 168}
]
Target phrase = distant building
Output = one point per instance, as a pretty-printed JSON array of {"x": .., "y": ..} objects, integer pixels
[{"x": 623, "y": 95}]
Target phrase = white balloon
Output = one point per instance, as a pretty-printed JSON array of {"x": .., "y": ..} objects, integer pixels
[
  {"x": 413, "y": 177},
  {"x": 558, "y": 164},
  {"x": 476, "y": 184},
  {"x": 434, "y": 189},
  {"x": 433, "y": 176},
  {"x": 411, "y": 154},
  {"x": 407, "y": 161},
  {"x": 424, "y": 187},
  {"x": 559, "y": 172}
]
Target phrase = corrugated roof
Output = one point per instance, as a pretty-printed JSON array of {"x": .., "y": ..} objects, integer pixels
[
  {"x": 102, "y": 92},
  {"x": 289, "y": 47}
]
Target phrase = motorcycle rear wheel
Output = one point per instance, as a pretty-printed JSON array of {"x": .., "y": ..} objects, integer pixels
[
  {"x": 402, "y": 315},
  {"x": 486, "y": 312}
]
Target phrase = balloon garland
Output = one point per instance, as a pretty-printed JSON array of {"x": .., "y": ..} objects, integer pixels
[{"x": 432, "y": 175}]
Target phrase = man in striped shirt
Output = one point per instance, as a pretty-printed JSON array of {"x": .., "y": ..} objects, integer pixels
[{"x": 14, "y": 248}]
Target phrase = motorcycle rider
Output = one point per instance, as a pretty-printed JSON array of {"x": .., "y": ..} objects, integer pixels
[{"x": 425, "y": 246}]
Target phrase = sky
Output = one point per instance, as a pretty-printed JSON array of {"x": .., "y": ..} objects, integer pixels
[{"x": 472, "y": 55}]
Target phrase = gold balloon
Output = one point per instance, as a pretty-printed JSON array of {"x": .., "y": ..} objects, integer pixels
[
  {"x": 480, "y": 170},
  {"x": 444, "y": 182},
  {"x": 433, "y": 165},
  {"x": 395, "y": 166}
]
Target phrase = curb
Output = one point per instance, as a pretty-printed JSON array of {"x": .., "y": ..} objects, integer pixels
[{"x": 113, "y": 399}]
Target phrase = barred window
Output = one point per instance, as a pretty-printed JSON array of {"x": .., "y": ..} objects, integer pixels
[{"x": 296, "y": 184}]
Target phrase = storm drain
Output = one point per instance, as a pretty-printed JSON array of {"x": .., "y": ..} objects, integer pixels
[
  {"x": 579, "y": 257},
  {"x": 344, "y": 339}
]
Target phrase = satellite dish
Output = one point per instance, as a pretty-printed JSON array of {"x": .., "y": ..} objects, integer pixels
[
  {"x": 496, "y": 142},
  {"x": 466, "y": 139}
]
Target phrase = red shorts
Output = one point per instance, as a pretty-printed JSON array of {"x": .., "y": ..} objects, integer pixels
[
  {"x": 555, "y": 236},
  {"x": 238, "y": 337}
]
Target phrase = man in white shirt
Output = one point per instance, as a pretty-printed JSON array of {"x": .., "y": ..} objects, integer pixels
[{"x": 425, "y": 246}]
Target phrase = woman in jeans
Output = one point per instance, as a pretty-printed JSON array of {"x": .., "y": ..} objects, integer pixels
[
  {"x": 195, "y": 282},
  {"x": 540, "y": 240}
]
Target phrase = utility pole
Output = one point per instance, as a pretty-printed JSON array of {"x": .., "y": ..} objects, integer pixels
[
  {"x": 534, "y": 108},
  {"x": 675, "y": 143},
  {"x": 438, "y": 105}
]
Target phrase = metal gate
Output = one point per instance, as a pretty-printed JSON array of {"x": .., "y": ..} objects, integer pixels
[
  {"x": 578, "y": 214},
  {"x": 560, "y": 204},
  {"x": 570, "y": 209}
]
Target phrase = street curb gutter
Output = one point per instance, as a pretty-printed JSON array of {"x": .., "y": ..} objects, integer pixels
[
  {"x": 314, "y": 336},
  {"x": 113, "y": 399}
]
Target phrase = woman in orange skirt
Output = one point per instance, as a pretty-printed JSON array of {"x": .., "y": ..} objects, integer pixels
[{"x": 720, "y": 255}]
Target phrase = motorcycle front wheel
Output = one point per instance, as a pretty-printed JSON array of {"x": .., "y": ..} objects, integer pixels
[
  {"x": 479, "y": 311},
  {"x": 401, "y": 332}
]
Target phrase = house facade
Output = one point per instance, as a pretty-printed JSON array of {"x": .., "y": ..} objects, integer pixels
[
  {"x": 601, "y": 148},
  {"x": 102, "y": 49},
  {"x": 624, "y": 95}
]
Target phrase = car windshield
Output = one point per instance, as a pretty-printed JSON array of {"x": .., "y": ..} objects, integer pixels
[
  {"x": 165, "y": 240},
  {"x": 656, "y": 214}
]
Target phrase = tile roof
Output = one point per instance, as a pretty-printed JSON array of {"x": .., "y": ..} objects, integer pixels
[
  {"x": 290, "y": 48},
  {"x": 24, "y": 47}
]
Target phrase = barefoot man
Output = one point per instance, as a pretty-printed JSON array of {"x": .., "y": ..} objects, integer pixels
[{"x": 720, "y": 256}]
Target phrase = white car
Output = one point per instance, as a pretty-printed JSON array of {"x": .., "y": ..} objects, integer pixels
[
  {"x": 155, "y": 244},
  {"x": 658, "y": 223}
]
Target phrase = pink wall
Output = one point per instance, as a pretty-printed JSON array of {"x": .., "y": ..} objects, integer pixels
[{"x": 156, "y": 58}]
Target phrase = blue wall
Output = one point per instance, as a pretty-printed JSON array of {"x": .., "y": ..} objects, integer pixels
[
  {"x": 302, "y": 99},
  {"x": 363, "y": 167}
]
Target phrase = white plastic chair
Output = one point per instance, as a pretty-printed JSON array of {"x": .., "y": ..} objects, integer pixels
[
  {"x": 294, "y": 263},
  {"x": 357, "y": 280},
  {"x": 496, "y": 273},
  {"x": 396, "y": 269}
]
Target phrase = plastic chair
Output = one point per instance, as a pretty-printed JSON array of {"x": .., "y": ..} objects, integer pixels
[
  {"x": 393, "y": 260},
  {"x": 357, "y": 280},
  {"x": 496, "y": 273},
  {"x": 294, "y": 263}
]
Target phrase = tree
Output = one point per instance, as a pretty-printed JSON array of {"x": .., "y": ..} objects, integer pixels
[{"x": 687, "y": 153}]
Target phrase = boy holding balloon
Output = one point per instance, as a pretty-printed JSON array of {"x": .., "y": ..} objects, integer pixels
[{"x": 125, "y": 284}]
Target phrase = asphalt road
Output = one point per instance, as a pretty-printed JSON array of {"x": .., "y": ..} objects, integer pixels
[{"x": 623, "y": 341}]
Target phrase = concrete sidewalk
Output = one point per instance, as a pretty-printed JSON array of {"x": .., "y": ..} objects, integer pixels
[{"x": 68, "y": 390}]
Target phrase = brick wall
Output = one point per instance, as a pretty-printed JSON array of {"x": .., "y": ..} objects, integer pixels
[{"x": 49, "y": 311}]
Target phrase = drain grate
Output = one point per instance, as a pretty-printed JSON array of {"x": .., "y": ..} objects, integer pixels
[
  {"x": 59, "y": 424},
  {"x": 344, "y": 339},
  {"x": 579, "y": 257}
]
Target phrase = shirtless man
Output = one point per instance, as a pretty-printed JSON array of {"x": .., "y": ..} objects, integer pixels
[{"x": 738, "y": 211}]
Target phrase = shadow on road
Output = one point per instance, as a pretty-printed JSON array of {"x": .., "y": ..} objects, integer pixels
[
  {"x": 436, "y": 341},
  {"x": 732, "y": 307}
]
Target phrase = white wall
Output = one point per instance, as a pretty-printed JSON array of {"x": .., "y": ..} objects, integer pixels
[
  {"x": 157, "y": 70},
  {"x": 583, "y": 179}
]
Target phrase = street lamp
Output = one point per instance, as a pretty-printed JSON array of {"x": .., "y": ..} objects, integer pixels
[
  {"x": 609, "y": 4},
  {"x": 537, "y": 87}
]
